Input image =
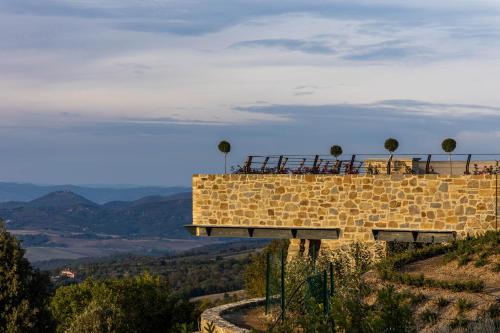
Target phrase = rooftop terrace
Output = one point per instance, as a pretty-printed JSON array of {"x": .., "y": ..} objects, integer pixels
[
  {"x": 371, "y": 164},
  {"x": 319, "y": 199}
]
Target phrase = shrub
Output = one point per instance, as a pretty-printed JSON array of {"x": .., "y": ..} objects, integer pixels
[
  {"x": 494, "y": 310},
  {"x": 393, "y": 315},
  {"x": 459, "y": 321},
  {"x": 416, "y": 299},
  {"x": 464, "y": 305},
  {"x": 428, "y": 316},
  {"x": 463, "y": 249},
  {"x": 141, "y": 304},
  {"x": 442, "y": 302},
  {"x": 481, "y": 262},
  {"x": 255, "y": 272},
  {"x": 463, "y": 260}
]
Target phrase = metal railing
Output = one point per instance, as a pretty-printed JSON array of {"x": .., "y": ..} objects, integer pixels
[{"x": 372, "y": 164}]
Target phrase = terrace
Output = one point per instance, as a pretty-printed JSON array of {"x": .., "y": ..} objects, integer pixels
[
  {"x": 371, "y": 164},
  {"x": 327, "y": 201}
]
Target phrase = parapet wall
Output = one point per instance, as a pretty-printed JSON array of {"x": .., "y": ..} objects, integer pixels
[{"x": 354, "y": 203}]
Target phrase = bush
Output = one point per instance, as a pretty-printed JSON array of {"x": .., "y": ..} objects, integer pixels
[
  {"x": 416, "y": 299},
  {"x": 494, "y": 310},
  {"x": 429, "y": 316},
  {"x": 463, "y": 260},
  {"x": 349, "y": 310},
  {"x": 442, "y": 302},
  {"x": 482, "y": 261},
  {"x": 255, "y": 272},
  {"x": 459, "y": 321},
  {"x": 140, "y": 304},
  {"x": 392, "y": 314},
  {"x": 462, "y": 249},
  {"x": 464, "y": 305}
]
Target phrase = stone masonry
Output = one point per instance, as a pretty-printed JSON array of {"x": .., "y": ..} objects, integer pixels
[{"x": 354, "y": 203}]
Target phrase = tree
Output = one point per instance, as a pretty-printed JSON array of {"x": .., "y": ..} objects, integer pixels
[
  {"x": 449, "y": 146},
  {"x": 24, "y": 292},
  {"x": 140, "y": 304},
  {"x": 336, "y": 151},
  {"x": 391, "y": 145},
  {"x": 225, "y": 148},
  {"x": 255, "y": 272}
]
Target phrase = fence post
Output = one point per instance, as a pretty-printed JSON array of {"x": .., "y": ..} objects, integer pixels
[
  {"x": 325, "y": 292},
  {"x": 332, "y": 281},
  {"x": 268, "y": 278},
  {"x": 313, "y": 254},
  {"x": 283, "y": 285}
]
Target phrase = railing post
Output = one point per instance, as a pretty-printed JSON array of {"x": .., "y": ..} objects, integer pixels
[
  {"x": 315, "y": 164},
  {"x": 278, "y": 167},
  {"x": 248, "y": 164},
  {"x": 264, "y": 164},
  {"x": 351, "y": 166},
  {"x": 283, "y": 165},
  {"x": 428, "y": 164},
  {"x": 268, "y": 280},
  {"x": 283, "y": 285},
  {"x": 467, "y": 164}
]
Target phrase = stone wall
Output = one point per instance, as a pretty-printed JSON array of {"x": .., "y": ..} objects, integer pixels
[
  {"x": 214, "y": 318},
  {"x": 353, "y": 203}
]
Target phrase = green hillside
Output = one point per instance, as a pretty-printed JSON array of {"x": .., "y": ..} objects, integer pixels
[{"x": 67, "y": 212}]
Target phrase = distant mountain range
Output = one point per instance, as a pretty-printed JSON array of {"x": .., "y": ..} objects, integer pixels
[
  {"x": 69, "y": 212},
  {"x": 100, "y": 195}
]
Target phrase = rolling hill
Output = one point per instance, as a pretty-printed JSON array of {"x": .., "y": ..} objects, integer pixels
[
  {"x": 26, "y": 192},
  {"x": 68, "y": 212}
]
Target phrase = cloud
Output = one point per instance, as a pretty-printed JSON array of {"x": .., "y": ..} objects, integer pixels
[
  {"x": 380, "y": 109},
  {"x": 311, "y": 47},
  {"x": 89, "y": 87},
  {"x": 391, "y": 53},
  {"x": 304, "y": 93}
]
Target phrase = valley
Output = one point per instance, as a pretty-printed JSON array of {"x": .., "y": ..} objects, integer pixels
[{"x": 66, "y": 225}]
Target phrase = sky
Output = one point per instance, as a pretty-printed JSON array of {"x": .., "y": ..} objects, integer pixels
[{"x": 141, "y": 91}]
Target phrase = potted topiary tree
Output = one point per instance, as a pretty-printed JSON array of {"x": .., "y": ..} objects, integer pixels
[
  {"x": 225, "y": 148},
  {"x": 391, "y": 145},
  {"x": 336, "y": 151},
  {"x": 449, "y": 146}
]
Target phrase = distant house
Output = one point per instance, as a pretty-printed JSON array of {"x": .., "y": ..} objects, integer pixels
[{"x": 67, "y": 273}]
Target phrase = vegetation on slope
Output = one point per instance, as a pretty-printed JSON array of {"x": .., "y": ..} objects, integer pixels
[
  {"x": 403, "y": 294},
  {"x": 208, "y": 270},
  {"x": 24, "y": 291}
]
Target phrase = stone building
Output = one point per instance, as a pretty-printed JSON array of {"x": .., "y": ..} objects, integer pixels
[{"x": 330, "y": 206}]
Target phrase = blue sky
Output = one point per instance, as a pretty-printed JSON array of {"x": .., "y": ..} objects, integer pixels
[{"x": 141, "y": 91}]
